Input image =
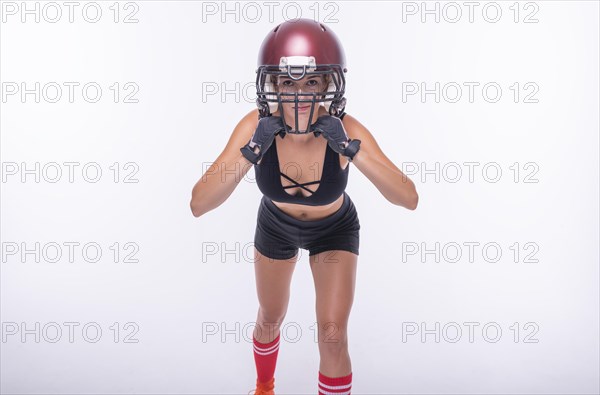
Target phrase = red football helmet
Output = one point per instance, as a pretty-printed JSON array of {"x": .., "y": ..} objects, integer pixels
[{"x": 296, "y": 49}]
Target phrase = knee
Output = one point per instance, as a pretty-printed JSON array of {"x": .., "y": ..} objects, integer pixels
[
  {"x": 333, "y": 348},
  {"x": 273, "y": 316},
  {"x": 333, "y": 339}
]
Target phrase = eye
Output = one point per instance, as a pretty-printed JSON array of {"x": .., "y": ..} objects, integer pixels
[
  {"x": 287, "y": 83},
  {"x": 313, "y": 82}
]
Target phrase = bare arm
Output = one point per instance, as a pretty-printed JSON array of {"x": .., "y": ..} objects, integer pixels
[
  {"x": 223, "y": 176},
  {"x": 394, "y": 185}
]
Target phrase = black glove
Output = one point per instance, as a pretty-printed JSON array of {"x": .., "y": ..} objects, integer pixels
[
  {"x": 267, "y": 129},
  {"x": 333, "y": 130}
]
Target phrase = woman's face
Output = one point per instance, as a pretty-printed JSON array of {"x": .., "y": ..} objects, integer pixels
[{"x": 308, "y": 84}]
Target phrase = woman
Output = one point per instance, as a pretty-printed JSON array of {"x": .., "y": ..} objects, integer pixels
[{"x": 300, "y": 143}]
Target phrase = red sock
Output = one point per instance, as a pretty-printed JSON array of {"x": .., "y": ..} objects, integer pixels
[
  {"x": 335, "y": 385},
  {"x": 265, "y": 357}
]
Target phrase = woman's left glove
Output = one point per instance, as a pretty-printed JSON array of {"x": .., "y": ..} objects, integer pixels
[{"x": 333, "y": 130}]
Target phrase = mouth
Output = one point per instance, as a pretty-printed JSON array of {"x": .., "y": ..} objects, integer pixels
[{"x": 303, "y": 107}]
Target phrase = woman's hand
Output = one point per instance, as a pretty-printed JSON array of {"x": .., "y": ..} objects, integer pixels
[
  {"x": 333, "y": 130},
  {"x": 267, "y": 129}
]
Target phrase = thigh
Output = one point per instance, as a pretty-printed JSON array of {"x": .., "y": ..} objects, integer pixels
[
  {"x": 274, "y": 238},
  {"x": 275, "y": 258},
  {"x": 334, "y": 275},
  {"x": 273, "y": 280},
  {"x": 341, "y": 231}
]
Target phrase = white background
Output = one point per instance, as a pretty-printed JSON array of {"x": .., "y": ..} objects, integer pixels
[{"x": 173, "y": 134}]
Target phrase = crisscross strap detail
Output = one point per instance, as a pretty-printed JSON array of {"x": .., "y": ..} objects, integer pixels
[{"x": 299, "y": 185}]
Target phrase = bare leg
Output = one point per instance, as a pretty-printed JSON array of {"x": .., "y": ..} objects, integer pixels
[{"x": 334, "y": 274}]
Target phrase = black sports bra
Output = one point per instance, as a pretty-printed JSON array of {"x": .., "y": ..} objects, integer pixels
[{"x": 332, "y": 184}]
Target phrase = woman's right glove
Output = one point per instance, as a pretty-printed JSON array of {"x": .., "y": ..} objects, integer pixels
[{"x": 267, "y": 129}]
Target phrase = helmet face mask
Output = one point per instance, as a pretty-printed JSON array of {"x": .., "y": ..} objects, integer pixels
[
  {"x": 274, "y": 95},
  {"x": 295, "y": 52}
]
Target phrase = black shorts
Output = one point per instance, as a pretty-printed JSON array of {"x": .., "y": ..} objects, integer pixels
[{"x": 279, "y": 235}]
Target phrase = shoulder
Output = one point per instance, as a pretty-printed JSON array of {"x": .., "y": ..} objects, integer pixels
[
  {"x": 246, "y": 126},
  {"x": 250, "y": 120},
  {"x": 355, "y": 129},
  {"x": 242, "y": 133}
]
